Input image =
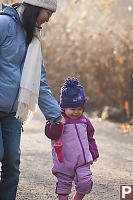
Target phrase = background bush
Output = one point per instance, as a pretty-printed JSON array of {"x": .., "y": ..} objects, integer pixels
[{"x": 92, "y": 40}]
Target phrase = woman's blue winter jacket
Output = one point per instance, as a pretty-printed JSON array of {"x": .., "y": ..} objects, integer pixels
[{"x": 12, "y": 51}]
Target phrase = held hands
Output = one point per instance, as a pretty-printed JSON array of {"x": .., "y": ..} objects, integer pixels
[{"x": 62, "y": 121}]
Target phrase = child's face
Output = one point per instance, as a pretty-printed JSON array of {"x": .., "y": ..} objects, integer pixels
[{"x": 73, "y": 113}]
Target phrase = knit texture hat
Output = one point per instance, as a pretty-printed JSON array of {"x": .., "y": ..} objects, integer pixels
[
  {"x": 47, "y": 4},
  {"x": 72, "y": 94}
]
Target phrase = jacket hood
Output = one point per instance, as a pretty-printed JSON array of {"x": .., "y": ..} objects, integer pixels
[{"x": 9, "y": 10}]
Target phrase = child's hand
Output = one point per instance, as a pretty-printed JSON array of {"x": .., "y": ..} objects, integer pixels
[{"x": 95, "y": 160}]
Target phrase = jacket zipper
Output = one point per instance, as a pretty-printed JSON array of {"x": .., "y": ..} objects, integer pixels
[{"x": 80, "y": 143}]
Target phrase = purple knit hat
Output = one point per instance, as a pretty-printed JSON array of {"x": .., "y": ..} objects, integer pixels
[{"x": 72, "y": 94}]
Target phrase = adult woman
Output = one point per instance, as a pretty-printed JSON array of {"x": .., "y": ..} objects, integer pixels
[{"x": 22, "y": 82}]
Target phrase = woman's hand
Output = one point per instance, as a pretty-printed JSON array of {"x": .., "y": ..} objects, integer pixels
[{"x": 62, "y": 121}]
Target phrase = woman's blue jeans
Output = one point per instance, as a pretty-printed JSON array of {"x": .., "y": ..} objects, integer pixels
[{"x": 10, "y": 134}]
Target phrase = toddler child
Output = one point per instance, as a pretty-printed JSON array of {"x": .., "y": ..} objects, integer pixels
[{"x": 73, "y": 145}]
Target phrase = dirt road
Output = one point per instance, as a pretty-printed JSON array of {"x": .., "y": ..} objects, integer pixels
[{"x": 114, "y": 167}]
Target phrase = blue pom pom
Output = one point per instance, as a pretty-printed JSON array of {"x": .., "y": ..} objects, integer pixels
[{"x": 71, "y": 82}]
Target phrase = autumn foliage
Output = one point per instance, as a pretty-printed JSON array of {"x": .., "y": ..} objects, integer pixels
[
  {"x": 93, "y": 41},
  {"x": 97, "y": 48}
]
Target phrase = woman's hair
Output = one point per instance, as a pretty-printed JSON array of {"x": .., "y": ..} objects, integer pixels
[{"x": 29, "y": 19}]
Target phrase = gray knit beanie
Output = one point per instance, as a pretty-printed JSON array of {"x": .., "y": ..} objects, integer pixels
[{"x": 47, "y": 4}]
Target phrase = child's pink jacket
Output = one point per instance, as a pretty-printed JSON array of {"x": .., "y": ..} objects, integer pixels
[{"x": 79, "y": 146}]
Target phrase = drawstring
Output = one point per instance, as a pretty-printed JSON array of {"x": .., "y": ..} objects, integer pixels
[{"x": 61, "y": 133}]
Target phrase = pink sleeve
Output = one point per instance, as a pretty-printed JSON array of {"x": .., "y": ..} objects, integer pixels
[
  {"x": 53, "y": 131},
  {"x": 92, "y": 143}
]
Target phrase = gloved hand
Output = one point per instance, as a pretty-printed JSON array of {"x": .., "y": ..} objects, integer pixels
[{"x": 59, "y": 151}]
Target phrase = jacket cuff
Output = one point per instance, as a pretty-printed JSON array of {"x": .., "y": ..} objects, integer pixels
[
  {"x": 56, "y": 120},
  {"x": 94, "y": 150},
  {"x": 53, "y": 131}
]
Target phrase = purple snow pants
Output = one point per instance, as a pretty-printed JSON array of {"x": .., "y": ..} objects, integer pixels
[{"x": 82, "y": 179}]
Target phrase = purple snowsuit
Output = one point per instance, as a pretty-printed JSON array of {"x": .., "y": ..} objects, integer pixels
[{"x": 79, "y": 149}]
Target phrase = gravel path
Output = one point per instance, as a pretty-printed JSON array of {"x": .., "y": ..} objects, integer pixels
[{"x": 114, "y": 167}]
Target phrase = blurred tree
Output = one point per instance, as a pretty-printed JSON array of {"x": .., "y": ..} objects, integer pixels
[
  {"x": 92, "y": 40},
  {"x": 95, "y": 46}
]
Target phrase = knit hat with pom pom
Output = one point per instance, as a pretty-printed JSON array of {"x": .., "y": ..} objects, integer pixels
[
  {"x": 47, "y": 4},
  {"x": 72, "y": 94}
]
